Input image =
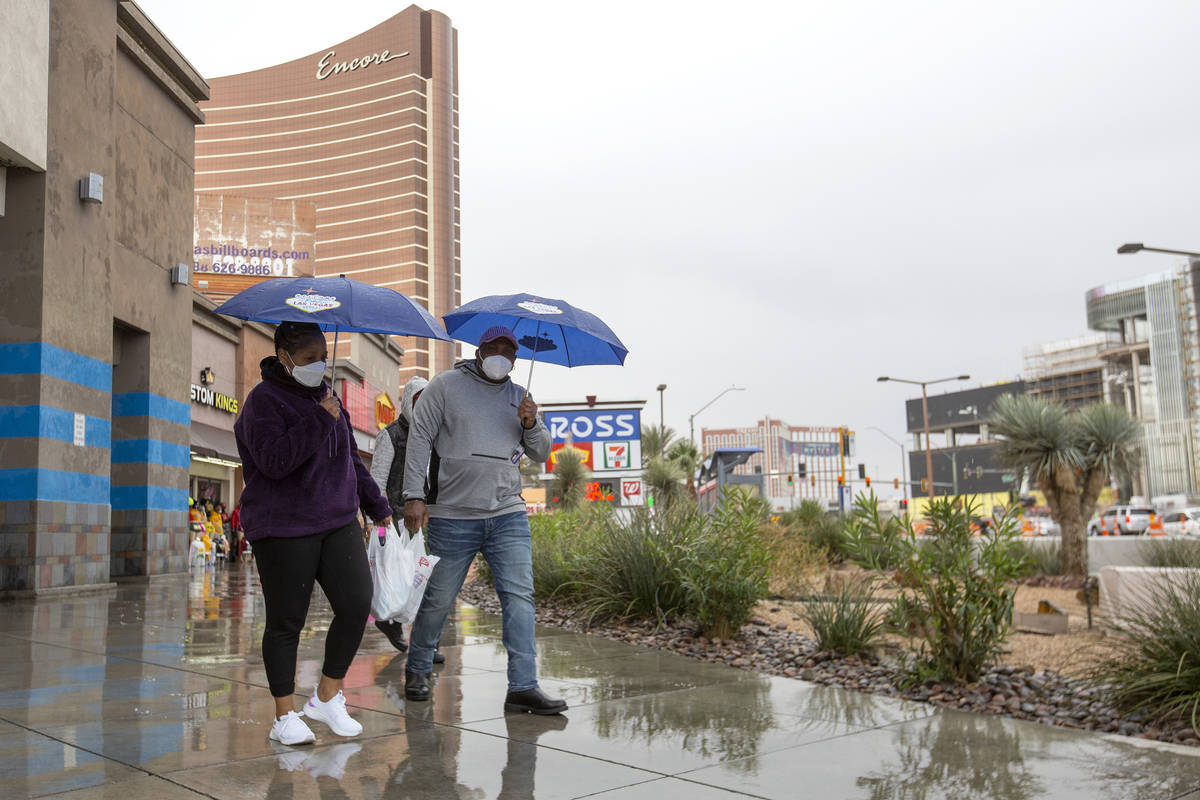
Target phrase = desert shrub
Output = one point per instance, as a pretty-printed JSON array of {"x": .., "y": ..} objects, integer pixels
[
  {"x": 1045, "y": 559},
  {"x": 956, "y": 590},
  {"x": 797, "y": 566},
  {"x": 1173, "y": 553},
  {"x": 724, "y": 570},
  {"x": 562, "y": 543},
  {"x": 849, "y": 622},
  {"x": 822, "y": 529},
  {"x": 870, "y": 540},
  {"x": 631, "y": 571},
  {"x": 1153, "y": 663}
]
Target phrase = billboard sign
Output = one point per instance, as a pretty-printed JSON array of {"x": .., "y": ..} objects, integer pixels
[
  {"x": 614, "y": 425},
  {"x": 632, "y": 492}
]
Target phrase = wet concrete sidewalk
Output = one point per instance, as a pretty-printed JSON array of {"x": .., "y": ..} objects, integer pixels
[{"x": 155, "y": 690}]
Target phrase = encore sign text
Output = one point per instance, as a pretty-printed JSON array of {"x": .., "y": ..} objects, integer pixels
[{"x": 326, "y": 66}]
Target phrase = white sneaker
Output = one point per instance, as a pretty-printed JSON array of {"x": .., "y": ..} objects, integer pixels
[
  {"x": 291, "y": 730},
  {"x": 331, "y": 762},
  {"x": 332, "y": 713}
]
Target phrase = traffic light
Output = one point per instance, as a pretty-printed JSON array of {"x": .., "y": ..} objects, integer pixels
[
  {"x": 862, "y": 471},
  {"x": 841, "y": 480},
  {"x": 924, "y": 485},
  {"x": 895, "y": 483},
  {"x": 813, "y": 480},
  {"x": 868, "y": 480},
  {"x": 789, "y": 479},
  {"x": 802, "y": 470},
  {"x": 904, "y": 505}
]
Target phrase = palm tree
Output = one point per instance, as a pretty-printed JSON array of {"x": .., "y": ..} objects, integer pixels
[
  {"x": 1070, "y": 455},
  {"x": 685, "y": 453},
  {"x": 655, "y": 440},
  {"x": 664, "y": 480},
  {"x": 570, "y": 479}
]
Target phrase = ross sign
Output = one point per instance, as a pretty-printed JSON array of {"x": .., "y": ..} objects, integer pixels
[
  {"x": 234, "y": 259},
  {"x": 327, "y": 67},
  {"x": 595, "y": 426},
  {"x": 632, "y": 492},
  {"x": 385, "y": 410},
  {"x": 207, "y": 397},
  {"x": 583, "y": 448}
]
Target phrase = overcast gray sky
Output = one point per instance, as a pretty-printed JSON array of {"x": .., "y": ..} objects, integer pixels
[{"x": 795, "y": 197}]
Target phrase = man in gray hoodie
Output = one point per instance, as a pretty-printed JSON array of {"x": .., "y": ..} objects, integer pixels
[{"x": 469, "y": 432}]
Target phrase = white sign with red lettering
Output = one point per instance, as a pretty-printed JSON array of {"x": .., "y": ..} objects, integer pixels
[{"x": 632, "y": 492}]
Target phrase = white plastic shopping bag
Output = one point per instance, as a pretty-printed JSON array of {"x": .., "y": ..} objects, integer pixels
[
  {"x": 392, "y": 569},
  {"x": 423, "y": 565}
]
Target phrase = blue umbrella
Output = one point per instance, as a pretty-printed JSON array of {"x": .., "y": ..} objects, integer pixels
[
  {"x": 547, "y": 330},
  {"x": 336, "y": 304}
]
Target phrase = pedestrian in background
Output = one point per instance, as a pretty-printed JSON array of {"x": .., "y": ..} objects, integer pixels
[
  {"x": 304, "y": 486},
  {"x": 387, "y": 468}
]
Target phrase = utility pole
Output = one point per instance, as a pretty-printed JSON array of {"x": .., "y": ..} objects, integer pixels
[{"x": 842, "y": 469}]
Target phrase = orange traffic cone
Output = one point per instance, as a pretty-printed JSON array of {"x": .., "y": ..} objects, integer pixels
[
  {"x": 1156, "y": 526},
  {"x": 1027, "y": 528},
  {"x": 1103, "y": 527}
]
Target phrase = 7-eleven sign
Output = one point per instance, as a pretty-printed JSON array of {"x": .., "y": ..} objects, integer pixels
[{"x": 616, "y": 455}]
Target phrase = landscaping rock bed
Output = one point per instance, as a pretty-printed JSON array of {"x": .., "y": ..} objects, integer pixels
[{"x": 1019, "y": 692}]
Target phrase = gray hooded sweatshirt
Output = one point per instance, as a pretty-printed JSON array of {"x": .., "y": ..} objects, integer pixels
[{"x": 464, "y": 431}]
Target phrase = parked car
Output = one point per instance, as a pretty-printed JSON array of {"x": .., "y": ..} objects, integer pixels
[
  {"x": 1122, "y": 521},
  {"x": 1183, "y": 521}
]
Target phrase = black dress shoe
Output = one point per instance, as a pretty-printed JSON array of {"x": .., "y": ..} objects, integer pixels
[
  {"x": 534, "y": 701},
  {"x": 416, "y": 686},
  {"x": 394, "y": 632},
  {"x": 438, "y": 658}
]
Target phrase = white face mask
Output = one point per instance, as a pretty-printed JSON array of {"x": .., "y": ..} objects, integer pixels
[
  {"x": 309, "y": 375},
  {"x": 497, "y": 367}
]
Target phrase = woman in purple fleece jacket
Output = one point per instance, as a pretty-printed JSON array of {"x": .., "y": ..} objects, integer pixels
[{"x": 304, "y": 486}]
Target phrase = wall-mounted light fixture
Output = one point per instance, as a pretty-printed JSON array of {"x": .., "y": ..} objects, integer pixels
[
  {"x": 91, "y": 188},
  {"x": 179, "y": 275},
  {"x": 207, "y": 376}
]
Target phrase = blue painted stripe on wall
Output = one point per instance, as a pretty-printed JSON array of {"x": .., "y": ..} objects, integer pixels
[
  {"x": 145, "y": 404},
  {"x": 32, "y": 358},
  {"x": 164, "y": 498},
  {"x": 55, "y": 485},
  {"x": 150, "y": 451},
  {"x": 47, "y": 422}
]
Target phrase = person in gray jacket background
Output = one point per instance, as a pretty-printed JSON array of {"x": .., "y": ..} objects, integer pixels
[
  {"x": 469, "y": 431},
  {"x": 387, "y": 468}
]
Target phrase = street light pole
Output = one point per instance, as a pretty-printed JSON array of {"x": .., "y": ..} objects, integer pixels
[
  {"x": 662, "y": 387},
  {"x": 692, "y": 417},
  {"x": 925, "y": 415}
]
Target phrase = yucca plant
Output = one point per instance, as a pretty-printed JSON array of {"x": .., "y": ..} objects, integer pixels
[
  {"x": 664, "y": 480},
  {"x": 850, "y": 622},
  {"x": 1153, "y": 665},
  {"x": 1070, "y": 455},
  {"x": 1173, "y": 553},
  {"x": 571, "y": 476},
  {"x": 655, "y": 440}
]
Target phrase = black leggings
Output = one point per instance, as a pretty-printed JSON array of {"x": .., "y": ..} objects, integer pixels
[{"x": 337, "y": 560}]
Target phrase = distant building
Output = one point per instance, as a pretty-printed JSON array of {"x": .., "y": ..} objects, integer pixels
[
  {"x": 1152, "y": 357},
  {"x": 365, "y": 132},
  {"x": 965, "y": 463},
  {"x": 1069, "y": 371},
  {"x": 787, "y": 450}
]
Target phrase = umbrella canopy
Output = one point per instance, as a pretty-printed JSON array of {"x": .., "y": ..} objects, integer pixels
[
  {"x": 547, "y": 330},
  {"x": 336, "y": 304}
]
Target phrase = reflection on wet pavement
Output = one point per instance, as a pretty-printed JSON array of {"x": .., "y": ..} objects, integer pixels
[{"x": 156, "y": 690}]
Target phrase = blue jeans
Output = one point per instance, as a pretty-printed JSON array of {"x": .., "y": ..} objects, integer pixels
[{"x": 505, "y": 543}]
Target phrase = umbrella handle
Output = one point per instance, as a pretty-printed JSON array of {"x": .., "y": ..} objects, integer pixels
[{"x": 529, "y": 381}]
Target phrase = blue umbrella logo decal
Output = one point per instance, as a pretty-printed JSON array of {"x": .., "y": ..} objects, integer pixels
[
  {"x": 311, "y": 302},
  {"x": 537, "y": 307}
]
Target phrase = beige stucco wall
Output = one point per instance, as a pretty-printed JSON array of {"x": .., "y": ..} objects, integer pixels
[{"x": 24, "y": 82}]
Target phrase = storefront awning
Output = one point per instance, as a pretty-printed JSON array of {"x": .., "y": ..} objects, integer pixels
[{"x": 214, "y": 442}]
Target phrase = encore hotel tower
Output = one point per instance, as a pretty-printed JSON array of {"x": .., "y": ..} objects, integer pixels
[{"x": 367, "y": 131}]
